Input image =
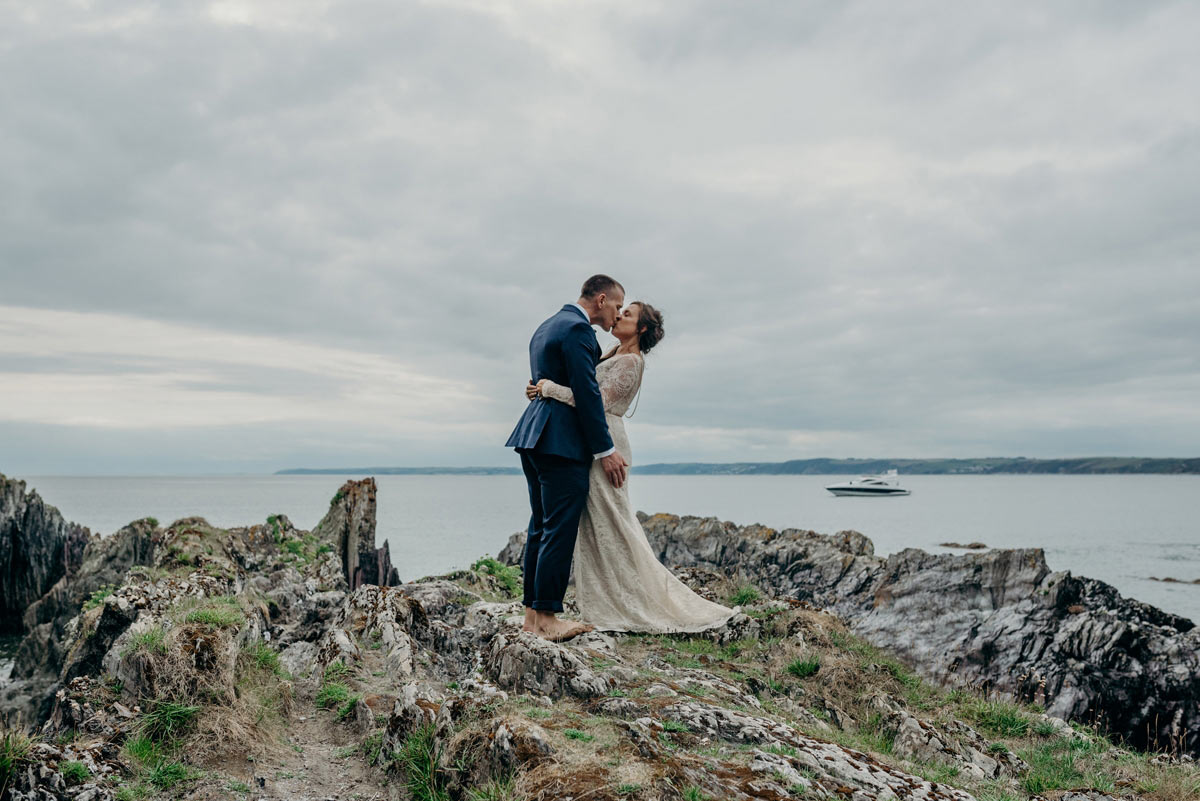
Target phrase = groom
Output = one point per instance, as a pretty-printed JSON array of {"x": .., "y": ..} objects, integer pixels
[{"x": 558, "y": 443}]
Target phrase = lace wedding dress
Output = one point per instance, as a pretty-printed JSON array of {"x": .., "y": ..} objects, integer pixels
[{"x": 619, "y": 583}]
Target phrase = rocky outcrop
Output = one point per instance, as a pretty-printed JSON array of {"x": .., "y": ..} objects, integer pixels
[
  {"x": 37, "y": 549},
  {"x": 1000, "y": 620},
  {"x": 281, "y": 678},
  {"x": 349, "y": 526}
]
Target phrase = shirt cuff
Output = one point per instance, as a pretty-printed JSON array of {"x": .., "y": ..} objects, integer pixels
[{"x": 608, "y": 452}]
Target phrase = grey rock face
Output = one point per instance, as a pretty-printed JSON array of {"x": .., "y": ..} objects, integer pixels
[
  {"x": 37, "y": 549},
  {"x": 350, "y": 527},
  {"x": 1000, "y": 619},
  {"x": 522, "y": 662}
]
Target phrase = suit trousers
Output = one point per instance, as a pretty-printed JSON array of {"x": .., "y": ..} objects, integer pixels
[{"x": 558, "y": 490}]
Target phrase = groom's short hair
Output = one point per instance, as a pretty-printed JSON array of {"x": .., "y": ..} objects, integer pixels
[{"x": 598, "y": 284}]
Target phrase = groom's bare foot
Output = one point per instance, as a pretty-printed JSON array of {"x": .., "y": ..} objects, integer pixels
[{"x": 530, "y": 621}]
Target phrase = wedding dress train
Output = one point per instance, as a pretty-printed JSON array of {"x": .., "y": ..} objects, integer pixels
[{"x": 619, "y": 583}]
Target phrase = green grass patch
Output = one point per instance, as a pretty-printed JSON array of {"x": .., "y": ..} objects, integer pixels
[
  {"x": 1044, "y": 729},
  {"x": 219, "y": 615},
  {"x": 15, "y": 748},
  {"x": 347, "y": 707},
  {"x": 693, "y": 793},
  {"x": 628, "y": 789},
  {"x": 576, "y": 734},
  {"x": 74, "y": 772},
  {"x": 1000, "y": 718},
  {"x": 167, "y": 774},
  {"x": 99, "y": 595},
  {"x": 1051, "y": 767},
  {"x": 735, "y": 649},
  {"x": 496, "y": 790},
  {"x": 509, "y": 577},
  {"x": 745, "y": 595},
  {"x": 151, "y": 641},
  {"x": 803, "y": 668},
  {"x": 265, "y": 658},
  {"x": 675, "y": 726},
  {"x": 697, "y": 645},
  {"x": 371, "y": 747},
  {"x": 336, "y": 671},
  {"x": 331, "y": 694},
  {"x": 682, "y": 661},
  {"x": 418, "y": 758},
  {"x": 142, "y": 750},
  {"x": 167, "y": 721}
]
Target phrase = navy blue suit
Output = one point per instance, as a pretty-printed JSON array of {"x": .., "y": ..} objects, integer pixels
[{"x": 557, "y": 443}]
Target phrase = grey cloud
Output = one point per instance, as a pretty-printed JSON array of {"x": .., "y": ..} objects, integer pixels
[{"x": 858, "y": 217}]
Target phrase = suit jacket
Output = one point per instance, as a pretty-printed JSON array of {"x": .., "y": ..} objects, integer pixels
[{"x": 564, "y": 349}]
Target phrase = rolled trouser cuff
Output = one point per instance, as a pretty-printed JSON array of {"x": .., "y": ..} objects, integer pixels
[{"x": 547, "y": 606}]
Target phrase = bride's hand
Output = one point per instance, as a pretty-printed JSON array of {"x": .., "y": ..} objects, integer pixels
[{"x": 533, "y": 390}]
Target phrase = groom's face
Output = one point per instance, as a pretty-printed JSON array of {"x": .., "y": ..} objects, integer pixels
[{"x": 610, "y": 307}]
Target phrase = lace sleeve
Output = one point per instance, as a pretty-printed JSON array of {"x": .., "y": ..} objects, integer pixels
[
  {"x": 619, "y": 377},
  {"x": 558, "y": 392}
]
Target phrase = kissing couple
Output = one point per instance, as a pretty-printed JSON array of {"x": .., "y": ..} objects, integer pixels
[{"x": 576, "y": 458}]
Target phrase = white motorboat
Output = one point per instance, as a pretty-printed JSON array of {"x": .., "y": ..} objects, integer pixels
[{"x": 870, "y": 486}]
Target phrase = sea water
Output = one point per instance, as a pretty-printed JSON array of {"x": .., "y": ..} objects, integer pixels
[{"x": 1123, "y": 529}]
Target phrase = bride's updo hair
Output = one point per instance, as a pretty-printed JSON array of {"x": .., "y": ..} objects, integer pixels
[{"x": 650, "y": 322}]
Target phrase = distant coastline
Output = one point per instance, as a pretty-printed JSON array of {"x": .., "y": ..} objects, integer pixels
[{"x": 799, "y": 467}]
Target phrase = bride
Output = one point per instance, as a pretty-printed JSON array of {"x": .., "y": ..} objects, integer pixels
[{"x": 619, "y": 583}]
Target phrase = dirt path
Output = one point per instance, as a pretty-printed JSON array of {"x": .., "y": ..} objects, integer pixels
[{"x": 320, "y": 758}]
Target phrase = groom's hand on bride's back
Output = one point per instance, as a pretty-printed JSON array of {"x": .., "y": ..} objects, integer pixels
[{"x": 615, "y": 468}]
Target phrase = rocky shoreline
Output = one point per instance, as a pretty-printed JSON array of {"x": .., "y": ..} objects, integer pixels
[{"x": 189, "y": 661}]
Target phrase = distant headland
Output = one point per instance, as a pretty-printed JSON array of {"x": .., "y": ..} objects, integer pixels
[{"x": 799, "y": 467}]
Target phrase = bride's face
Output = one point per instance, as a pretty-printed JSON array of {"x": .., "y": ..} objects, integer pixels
[{"x": 627, "y": 324}]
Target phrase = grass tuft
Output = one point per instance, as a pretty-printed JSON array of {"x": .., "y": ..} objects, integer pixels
[
  {"x": 418, "y": 758},
  {"x": 167, "y": 721},
  {"x": 153, "y": 641},
  {"x": 1001, "y": 718},
  {"x": 99, "y": 595},
  {"x": 166, "y": 775},
  {"x": 509, "y": 577},
  {"x": 220, "y": 615},
  {"x": 75, "y": 772},
  {"x": 331, "y": 694},
  {"x": 347, "y": 707},
  {"x": 15, "y": 747},
  {"x": 803, "y": 668},
  {"x": 745, "y": 595},
  {"x": 336, "y": 671},
  {"x": 576, "y": 734}
]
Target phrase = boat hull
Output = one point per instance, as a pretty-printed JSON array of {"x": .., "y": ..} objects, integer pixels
[{"x": 867, "y": 492}]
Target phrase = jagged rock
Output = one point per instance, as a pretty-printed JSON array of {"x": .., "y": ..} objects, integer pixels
[
  {"x": 777, "y": 765},
  {"x": 416, "y": 706},
  {"x": 513, "y": 553},
  {"x": 521, "y": 662},
  {"x": 37, "y": 548},
  {"x": 299, "y": 658},
  {"x": 955, "y": 743},
  {"x": 835, "y": 771},
  {"x": 999, "y": 619},
  {"x": 350, "y": 527}
]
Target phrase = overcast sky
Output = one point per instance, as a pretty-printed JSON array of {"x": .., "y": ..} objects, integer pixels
[{"x": 244, "y": 236}]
